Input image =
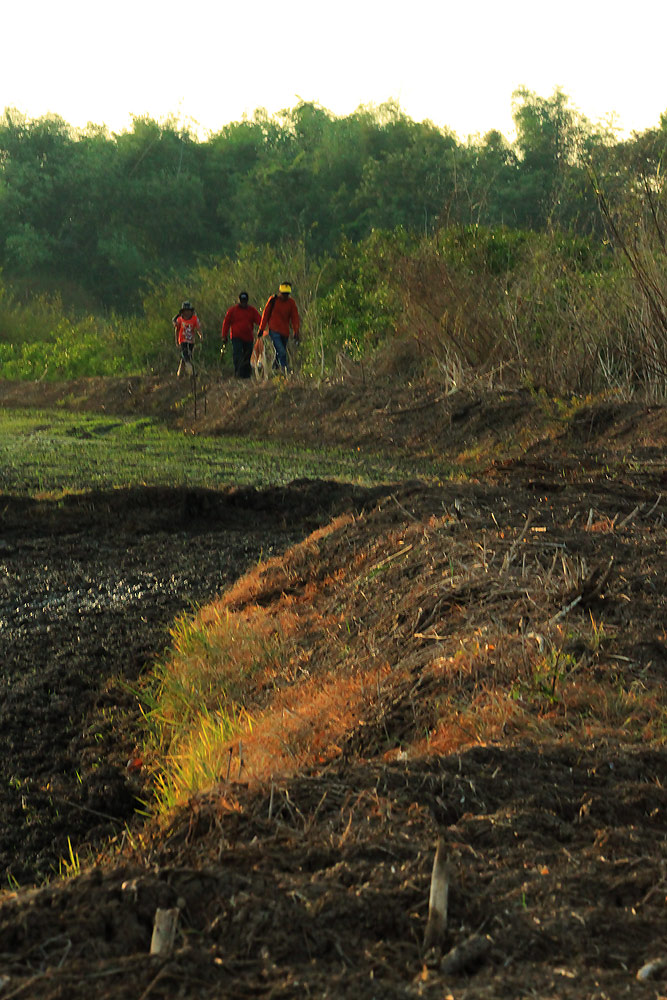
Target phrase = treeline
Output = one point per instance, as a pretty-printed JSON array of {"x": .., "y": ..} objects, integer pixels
[
  {"x": 546, "y": 254},
  {"x": 98, "y": 216}
]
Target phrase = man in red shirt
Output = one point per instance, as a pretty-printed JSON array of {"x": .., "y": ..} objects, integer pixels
[
  {"x": 239, "y": 325},
  {"x": 186, "y": 326},
  {"x": 280, "y": 312}
]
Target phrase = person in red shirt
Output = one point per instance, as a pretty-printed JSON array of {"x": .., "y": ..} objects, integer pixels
[
  {"x": 186, "y": 328},
  {"x": 280, "y": 313},
  {"x": 239, "y": 325}
]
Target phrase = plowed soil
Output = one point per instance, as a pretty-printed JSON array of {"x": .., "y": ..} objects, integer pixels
[{"x": 317, "y": 884}]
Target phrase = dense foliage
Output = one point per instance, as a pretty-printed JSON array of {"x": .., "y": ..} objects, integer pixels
[{"x": 546, "y": 252}]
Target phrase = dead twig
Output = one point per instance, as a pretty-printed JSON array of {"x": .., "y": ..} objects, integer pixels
[
  {"x": 633, "y": 513},
  {"x": 590, "y": 588},
  {"x": 388, "y": 559},
  {"x": 404, "y": 509},
  {"x": 648, "y": 513},
  {"x": 153, "y": 983},
  {"x": 507, "y": 561},
  {"x": 565, "y": 610}
]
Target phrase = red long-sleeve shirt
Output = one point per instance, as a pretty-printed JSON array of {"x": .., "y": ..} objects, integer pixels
[
  {"x": 279, "y": 316},
  {"x": 240, "y": 322}
]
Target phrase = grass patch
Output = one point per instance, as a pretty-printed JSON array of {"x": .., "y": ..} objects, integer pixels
[
  {"x": 195, "y": 702},
  {"x": 54, "y": 453}
]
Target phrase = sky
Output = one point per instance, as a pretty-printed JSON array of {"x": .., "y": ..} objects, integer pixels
[{"x": 453, "y": 63}]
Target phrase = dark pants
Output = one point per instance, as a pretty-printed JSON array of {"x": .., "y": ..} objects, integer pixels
[{"x": 241, "y": 352}]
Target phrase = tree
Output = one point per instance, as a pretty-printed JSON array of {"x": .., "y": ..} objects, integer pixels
[{"x": 551, "y": 138}]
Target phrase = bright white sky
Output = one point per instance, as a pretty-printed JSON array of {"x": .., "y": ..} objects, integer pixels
[{"x": 455, "y": 63}]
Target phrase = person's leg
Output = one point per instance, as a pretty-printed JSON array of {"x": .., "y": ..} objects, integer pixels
[
  {"x": 245, "y": 371},
  {"x": 280, "y": 344},
  {"x": 287, "y": 368},
  {"x": 183, "y": 364},
  {"x": 237, "y": 356}
]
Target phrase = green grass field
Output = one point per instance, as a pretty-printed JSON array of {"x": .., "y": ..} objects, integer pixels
[{"x": 54, "y": 453}]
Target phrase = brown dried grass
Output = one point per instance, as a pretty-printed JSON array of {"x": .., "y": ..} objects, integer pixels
[{"x": 410, "y": 631}]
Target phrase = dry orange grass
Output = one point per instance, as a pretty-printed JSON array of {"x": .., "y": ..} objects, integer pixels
[
  {"x": 277, "y": 574},
  {"x": 395, "y": 635},
  {"x": 242, "y": 692},
  {"x": 305, "y": 724}
]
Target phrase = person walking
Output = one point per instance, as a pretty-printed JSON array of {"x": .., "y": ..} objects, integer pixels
[
  {"x": 186, "y": 328},
  {"x": 239, "y": 325},
  {"x": 279, "y": 315}
]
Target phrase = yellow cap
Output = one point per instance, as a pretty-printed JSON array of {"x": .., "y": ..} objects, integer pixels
[{"x": 285, "y": 287}]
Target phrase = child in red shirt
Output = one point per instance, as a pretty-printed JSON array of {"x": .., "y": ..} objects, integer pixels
[{"x": 186, "y": 326}]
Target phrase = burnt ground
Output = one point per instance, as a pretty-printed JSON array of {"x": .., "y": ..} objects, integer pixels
[
  {"x": 317, "y": 885},
  {"x": 90, "y": 587}
]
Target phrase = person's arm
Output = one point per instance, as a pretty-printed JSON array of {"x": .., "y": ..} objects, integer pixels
[
  {"x": 266, "y": 315},
  {"x": 296, "y": 320},
  {"x": 264, "y": 318},
  {"x": 226, "y": 323},
  {"x": 257, "y": 320}
]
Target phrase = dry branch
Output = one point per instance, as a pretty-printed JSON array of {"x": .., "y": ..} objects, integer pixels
[{"x": 565, "y": 610}]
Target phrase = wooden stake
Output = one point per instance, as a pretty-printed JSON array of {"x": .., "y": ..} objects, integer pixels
[
  {"x": 438, "y": 896},
  {"x": 164, "y": 931}
]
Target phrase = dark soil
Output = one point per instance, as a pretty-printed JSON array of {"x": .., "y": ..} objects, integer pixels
[
  {"x": 89, "y": 589},
  {"x": 319, "y": 885}
]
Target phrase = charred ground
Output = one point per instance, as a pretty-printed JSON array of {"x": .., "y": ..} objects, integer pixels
[{"x": 317, "y": 885}]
